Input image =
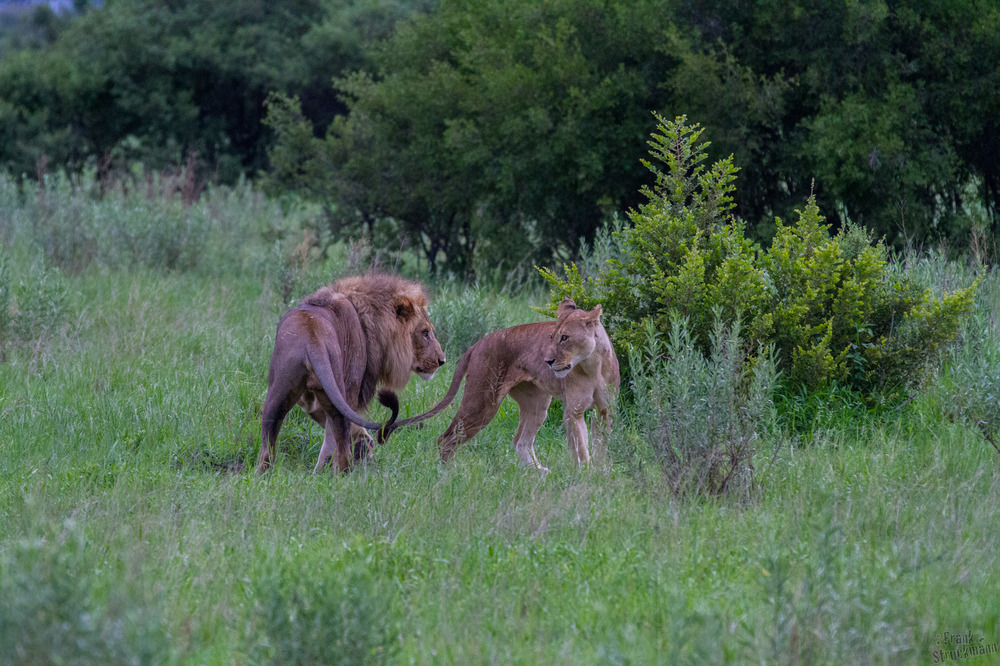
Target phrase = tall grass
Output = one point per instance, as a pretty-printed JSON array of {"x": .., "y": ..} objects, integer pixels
[
  {"x": 704, "y": 417},
  {"x": 132, "y": 532}
]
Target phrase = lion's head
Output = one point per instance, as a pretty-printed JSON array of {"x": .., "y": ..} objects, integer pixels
[
  {"x": 427, "y": 353},
  {"x": 393, "y": 312},
  {"x": 573, "y": 339}
]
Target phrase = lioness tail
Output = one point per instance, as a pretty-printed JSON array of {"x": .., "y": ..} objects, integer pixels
[{"x": 460, "y": 369}]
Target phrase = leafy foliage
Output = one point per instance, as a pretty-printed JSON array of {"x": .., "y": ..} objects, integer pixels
[
  {"x": 704, "y": 417},
  {"x": 835, "y": 307},
  {"x": 151, "y": 81},
  {"x": 312, "y": 610},
  {"x": 490, "y": 132}
]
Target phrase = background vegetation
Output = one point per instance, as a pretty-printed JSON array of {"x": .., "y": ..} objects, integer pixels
[
  {"x": 804, "y": 461},
  {"x": 485, "y": 133},
  {"x": 131, "y": 530}
]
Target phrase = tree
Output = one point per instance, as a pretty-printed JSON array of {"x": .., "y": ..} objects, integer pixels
[
  {"x": 493, "y": 131},
  {"x": 153, "y": 81}
]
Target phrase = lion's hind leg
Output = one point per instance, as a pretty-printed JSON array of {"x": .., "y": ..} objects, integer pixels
[
  {"x": 277, "y": 404},
  {"x": 336, "y": 439}
]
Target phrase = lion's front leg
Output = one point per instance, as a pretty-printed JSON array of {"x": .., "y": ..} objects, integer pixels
[{"x": 362, "y": 442}]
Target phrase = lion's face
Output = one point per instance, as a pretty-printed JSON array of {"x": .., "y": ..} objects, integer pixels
[
  {"x": 427, "y": 353},
  {"x": 573, "y": 339}
]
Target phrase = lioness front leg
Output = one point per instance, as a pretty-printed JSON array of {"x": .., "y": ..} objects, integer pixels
[
  {"x": 532, "y": 406},
  {"x": 576, "y": 435},
  {"x": 600, "y": 430}
]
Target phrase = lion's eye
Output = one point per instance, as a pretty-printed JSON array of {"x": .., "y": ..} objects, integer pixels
[
  {"x": 564, "y": 338},
  {"x": 427, "y": 334}
]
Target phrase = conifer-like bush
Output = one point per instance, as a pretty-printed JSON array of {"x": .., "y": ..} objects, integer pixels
[{"x": 836, "y": 308}]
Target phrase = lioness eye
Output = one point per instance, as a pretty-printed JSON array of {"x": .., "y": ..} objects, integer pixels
[
  {"x": 427, "y": 333},
  {"x": 564, "y": 338}
]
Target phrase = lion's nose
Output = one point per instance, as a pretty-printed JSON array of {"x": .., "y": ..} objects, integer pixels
[
  {"x": 551, "y": 362},
  {"x": 440, "y": 362}
]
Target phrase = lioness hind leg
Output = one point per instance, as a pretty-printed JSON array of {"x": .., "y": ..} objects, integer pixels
[
  {"x": 600, "y": 430},
  {"x": 474, "y": 414}
]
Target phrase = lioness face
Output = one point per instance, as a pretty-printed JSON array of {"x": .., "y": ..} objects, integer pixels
[
  {"x": 427, "y": 353},
  {"x": 573, "y": 339}
]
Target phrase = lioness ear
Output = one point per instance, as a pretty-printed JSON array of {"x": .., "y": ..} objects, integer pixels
[
  {"x": 404, "y": 309},
  {"x": 593, "y": 316},
  {"x": 566, "y": 305}
]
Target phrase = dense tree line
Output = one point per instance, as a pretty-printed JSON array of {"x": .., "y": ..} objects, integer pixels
[
  {"x": 485, "y": 131},
  {"x": 154, "y": 80}
]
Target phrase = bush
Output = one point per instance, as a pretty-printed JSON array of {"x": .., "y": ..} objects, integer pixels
[
  {"x": 53, "y": 609},
  {"x": 322, "y": 611},
  {"x": 148, "y": 220},
  {"x": 968, "y": 388},
  {"x": 837, "y": 310},
  {"x": 703, "y": 416},
  {"x": 33, "y": 300}
]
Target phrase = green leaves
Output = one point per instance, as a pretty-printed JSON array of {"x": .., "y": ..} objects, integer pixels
[{"x": 834, "y": 307}]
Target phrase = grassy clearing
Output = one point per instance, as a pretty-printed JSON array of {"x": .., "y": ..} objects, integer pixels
[{"x": 128, "y": 534}]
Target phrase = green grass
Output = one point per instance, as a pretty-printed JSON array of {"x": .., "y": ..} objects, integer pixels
[{"x": 128, "y": 534}]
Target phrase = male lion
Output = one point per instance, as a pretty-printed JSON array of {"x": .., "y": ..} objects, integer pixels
[
  {"x": 333, "y": 349},
  {"x": 570, "y": 359}
]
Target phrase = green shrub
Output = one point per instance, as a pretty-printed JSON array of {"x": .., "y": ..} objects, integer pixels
[
  {"x": 33, "y": 299},
  {"x": 703, "y": 416},
  {"x": 968, "y": 387},
  {"x": 54, "y": 608},
  {"x": 144, "y": 220},
  {"x": 465, "y": 318},
  {"x": 837, "y": 310},
  {"x": 315, "y": 609}
]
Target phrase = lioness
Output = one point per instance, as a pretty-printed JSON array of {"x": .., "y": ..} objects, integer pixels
[
  {"x": 333, "y": 349},
  {"x": 570, "y": 359}
]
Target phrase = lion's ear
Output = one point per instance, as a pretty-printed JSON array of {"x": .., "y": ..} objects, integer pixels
[
  {"x": 404, "y": 309},
  {"x": 566, "y": 305}
]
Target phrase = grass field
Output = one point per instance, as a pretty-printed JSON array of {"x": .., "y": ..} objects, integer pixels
[{"x": 131, "y": 531}]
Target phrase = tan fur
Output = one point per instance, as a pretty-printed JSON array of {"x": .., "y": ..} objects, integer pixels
[
  {"x": 570, "y": 359},
  {"x": 336, "y": 347}
]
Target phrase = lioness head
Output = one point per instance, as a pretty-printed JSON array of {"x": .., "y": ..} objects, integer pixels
[
  {"x": 427, "y": 353},
  {"x": 573, "y": 339}
]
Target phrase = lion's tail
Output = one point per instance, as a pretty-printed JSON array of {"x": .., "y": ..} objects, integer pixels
[
  {"x": 320, "y": 362},
  {"x": 460, "y": 369}
]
